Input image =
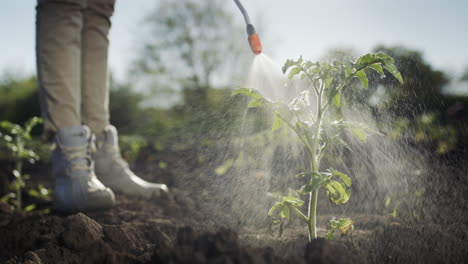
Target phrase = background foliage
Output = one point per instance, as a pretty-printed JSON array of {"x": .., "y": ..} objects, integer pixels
[{"x": 193, "y": 71}]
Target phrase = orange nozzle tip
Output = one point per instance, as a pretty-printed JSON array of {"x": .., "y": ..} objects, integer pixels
[{"x": 255, "y": 44}]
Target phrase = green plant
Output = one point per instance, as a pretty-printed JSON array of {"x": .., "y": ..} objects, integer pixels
[
  {"x": 406, "y": 206},
  {"x": 130, "y": 146},
  {"x": 16, "y": 140},
  {"x": 316, "y": 126},
  {"x": 344, "y": 225}
]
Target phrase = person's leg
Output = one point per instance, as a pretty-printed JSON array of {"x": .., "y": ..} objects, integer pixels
[
  {"x": 59, "y": 25},
  {"x": 58, "y": 51},
  {"x": 114, "y": 172},
  {"x": 111, "y": 169},
  {"x": 94, "y": 72}
]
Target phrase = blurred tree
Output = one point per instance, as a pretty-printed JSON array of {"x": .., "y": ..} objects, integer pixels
[
  {"x": 125, "y": 107},
  {"x": 19, "y": 99},
  {"x": 339, "y": 53},
  {"x": 418, "y": 109},
  {"x": 464, "y": 77},
  {"x": 129, "y": 115},
  {"x": 422, "y": 89},
  {"x": 191, "y": 45}
]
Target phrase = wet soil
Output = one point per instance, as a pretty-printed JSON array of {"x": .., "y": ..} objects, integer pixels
[{"x": 193, "y": 225}]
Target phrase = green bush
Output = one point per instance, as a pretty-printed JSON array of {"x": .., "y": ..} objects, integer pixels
[{"x": 19, "y": 98}]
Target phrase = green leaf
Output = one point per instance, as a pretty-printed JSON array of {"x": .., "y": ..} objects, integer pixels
[
  {"x": 248, "y": 92},
  {"x": 28, "y": 126},
  {"x": 285, "y": 212},
  {"x": 316, "y": 181},
  {"x": 17, "y": 174},
  {"x": 287, "y": 65},
  {"x": 274, "y": 208},
  {"x": 348, "y": 71},
  {"x": 308, "y": 188},
  {"x": 11, "y": 128},
  {"x": 303, "y": 174},
  {"x": 293, "y": 72},
  {"x": 7, "y": 197},
  {"x": 337, "y": 192},
  {"x": 379, "y": 58},
  {"x": 255, "y": 103},
  {"x": 162, "y": 164},
  {"x": 395, "y": 210},
  {"x": 352, "y": 125},
  {"x": 45, "y": 211},
  {"x": 360, "y": 133},
  {"x": 388, "y": 200},
  {"x": 283, "y": 205},
  {"x": 290, "y": 63},
  {"x": 293, "y": 201},
  {"x": 370, "y": 59},
  {"x": 394, "y": 71},
  {"x": 376, "y": 61},
  {"x": 43, "y": 190},
  {"x": 345, "y": 178},
  {"x": 221, "y": 170},
  {"x": 308, "y": 64},
  {"x": 7, "y": 138},
  {"x": 328, "y": 81},
  {"x": 341, "y": 142},
  {"x": 337, "y": 99},
  {"x": 378, "y": 68},
  {"x": 363, "y": 77},
  {"x": 419, "y": 192},
  {"x": 301, "y": 102},
  {"x": 277, "y": 123},
  {"x": 281, "y": 109},
  {"x": 365, "y": 60},
  {"x": 299, "y": 61},
  {"x": 30, "y": 208},
  {"x": 330, "y": 234},
  {"x": 27, "y": 154},
  {"x": 345, "y": 225},
  {"x": 34, "y": 193}
]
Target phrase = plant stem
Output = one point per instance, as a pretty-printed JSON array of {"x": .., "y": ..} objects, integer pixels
[
  {"x": 312, "y": 224},
  {"x": 313, "y": 215},
  {"x": 19, "y": 168},
  {"x": 300, "y": 214}
]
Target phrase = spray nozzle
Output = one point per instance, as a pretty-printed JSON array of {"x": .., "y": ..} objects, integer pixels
[{"x": 254, "y": 40}]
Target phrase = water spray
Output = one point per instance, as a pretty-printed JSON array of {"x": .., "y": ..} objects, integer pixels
[{"x": 254, "y": 39}]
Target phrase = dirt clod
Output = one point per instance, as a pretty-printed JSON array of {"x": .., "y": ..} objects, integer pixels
[
  {"x": 81, "y": 231},
  {"x": 322, "y": 251},
  {"x": 220, "y": 247}
]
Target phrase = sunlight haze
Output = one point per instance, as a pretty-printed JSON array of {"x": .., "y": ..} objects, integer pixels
[{"x": 290, "y": 28}]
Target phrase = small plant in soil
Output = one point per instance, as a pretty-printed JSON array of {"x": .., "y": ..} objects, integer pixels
[
  {"x": 344, "y": 225},
  {"x": 311, "y": 115},
  {"x": 15, "y": 139}
]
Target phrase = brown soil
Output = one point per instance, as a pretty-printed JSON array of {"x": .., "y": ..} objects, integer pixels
[{"x": 190, "y": 226}]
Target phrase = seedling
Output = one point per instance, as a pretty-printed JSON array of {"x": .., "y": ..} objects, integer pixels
[
  {"x": 16, "y": 139},
  {"x": 344, "y": 225},
  {"x": 315, "y": 125}
]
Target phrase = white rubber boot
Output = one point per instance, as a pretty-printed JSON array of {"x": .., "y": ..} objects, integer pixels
[
  {"x": 76, "y": 185},
  {"x": 114, "y": 172}
]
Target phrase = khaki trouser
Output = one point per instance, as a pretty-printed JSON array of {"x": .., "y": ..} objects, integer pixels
[{"x": 71, "y": 48}]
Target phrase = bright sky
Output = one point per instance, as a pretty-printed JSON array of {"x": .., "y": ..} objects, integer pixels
[{"x": 294, "y": 27}]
